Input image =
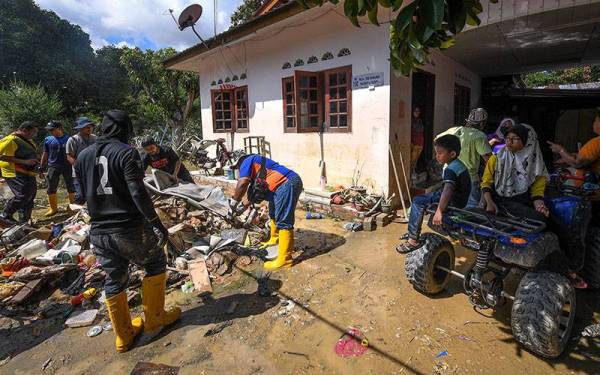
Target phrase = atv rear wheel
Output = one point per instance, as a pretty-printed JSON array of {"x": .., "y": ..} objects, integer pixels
[
  {"x": 543, "y": 312},
  {"x": 591, "y": 268},
  {"x": 421, "y": 265}
]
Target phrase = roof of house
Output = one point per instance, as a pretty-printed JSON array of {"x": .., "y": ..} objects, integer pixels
[{"x": 276, "y": 11}]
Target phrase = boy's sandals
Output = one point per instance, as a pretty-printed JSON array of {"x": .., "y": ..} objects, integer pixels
[{"x": 406, "y": 247}]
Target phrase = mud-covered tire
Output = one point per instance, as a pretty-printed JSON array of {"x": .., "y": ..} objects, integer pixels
[
  {"x": 543, "y": 312},
  {"x": 591, "y": 268},
  {"x": 420, "y": 265}
]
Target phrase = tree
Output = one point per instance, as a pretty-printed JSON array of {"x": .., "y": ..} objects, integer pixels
[
  {"x": 245, "y": 12},
  {"x": 582, "y": 74},
  {"x": 19, "y": 102},
  {"x": 162, "y": 96},
  {"x": 38, "y": 47},
  {"x": 419, "y": 26},
  {"x": 110, "y": 86}
]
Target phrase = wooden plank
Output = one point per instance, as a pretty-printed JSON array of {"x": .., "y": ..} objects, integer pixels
[
  {"x": 369, "y": 224},
  {"x": 25, "y": 292},
  {"x": 199, "y": 275}
]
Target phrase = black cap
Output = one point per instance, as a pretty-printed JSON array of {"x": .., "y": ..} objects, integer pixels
[{"x": 53, "y": 125}]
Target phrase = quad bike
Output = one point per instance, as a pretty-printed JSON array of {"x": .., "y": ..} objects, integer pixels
[
  {"x": 195, "y": 150},
  {"x": 544, "y": 304}
]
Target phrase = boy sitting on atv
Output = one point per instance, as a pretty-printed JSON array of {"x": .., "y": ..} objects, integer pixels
[{"x": 455, "y": 192}]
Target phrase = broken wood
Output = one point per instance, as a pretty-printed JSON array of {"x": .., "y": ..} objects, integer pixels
[
  {"x": 25, "y": 292},
  {"x": 200, "y": 277},
  {"x": 369, "y": 224}
]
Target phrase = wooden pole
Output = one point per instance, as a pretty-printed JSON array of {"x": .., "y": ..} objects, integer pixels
[
  {"x": 397, "y": 181},
  {"x": 405, "y": 179}
]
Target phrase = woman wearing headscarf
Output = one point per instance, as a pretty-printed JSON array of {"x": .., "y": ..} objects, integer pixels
[
  {"x": 496, "y": 139},
  {"x": 514, "y": 182}
]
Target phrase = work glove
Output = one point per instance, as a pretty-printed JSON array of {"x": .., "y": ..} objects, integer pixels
[
  {"x": 160, "y": 231},
  {"x": 235, "y": 208}
]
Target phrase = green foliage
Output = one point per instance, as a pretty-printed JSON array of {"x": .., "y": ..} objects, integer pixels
[
  {"x": 582, "y": 74},
  {"x": 245, "y": 12},
  {"x": 19, "y": 103},
  {"x": 419, "y": 27},
  {"x": 161, "y": 96}
]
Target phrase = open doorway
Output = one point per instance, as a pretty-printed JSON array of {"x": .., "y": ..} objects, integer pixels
[{"x": 423, "y": 98}]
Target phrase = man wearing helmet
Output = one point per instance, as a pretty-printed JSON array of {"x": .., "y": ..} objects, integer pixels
[
  {"x": 474, "y": 147},
  {"x": 125, "y": 227}
]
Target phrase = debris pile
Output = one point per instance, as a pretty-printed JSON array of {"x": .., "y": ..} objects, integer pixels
[{"x": 51, "y": 269}]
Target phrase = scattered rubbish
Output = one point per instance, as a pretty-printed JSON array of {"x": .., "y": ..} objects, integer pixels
[
  {"x": 81, "y": 318},
  {"x": 32, "y": 249},
  {"x": 314, "y": 215},
  {"x": 47, "y": 363},
  {"x": 187, "y": 287},
  {"x": 148, "y": 368},
  {"x": 466, "y": 338},
  {"x": 87, "y": 295},
  {"x": 107, "y": 326},
  {"x": 5, "y": 361},
  {"x": 272, "y": 252},
  {"x": 294, "y": 353},
  {"x": 200, "y": 277},
  {"x": 167, "y": 344},
  {"x": 351, "y": 344},
  {"x": 286, "y": 307},
  {"x": 441, "y": 354},
  {"x": 353, "y": 227},
  {"x": 592, "y": 330},
  {"x": 26, "y": 291},
  {"x": 94, "y": 331},
  {"x": 218, "y": 328}
]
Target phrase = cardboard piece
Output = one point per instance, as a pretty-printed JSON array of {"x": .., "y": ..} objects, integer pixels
[{"x": 199, "y": 275}]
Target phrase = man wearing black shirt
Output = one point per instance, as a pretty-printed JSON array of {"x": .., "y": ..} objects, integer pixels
[
  {"x": 165, "y": 159},
  {"x": 124, "y": 228}
]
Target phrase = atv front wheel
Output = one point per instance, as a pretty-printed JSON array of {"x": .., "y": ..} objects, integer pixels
[
  {"x": 421, "y": 265},
  {"x": 591, "y": 268},
  {"x": 543, "y": 312}
]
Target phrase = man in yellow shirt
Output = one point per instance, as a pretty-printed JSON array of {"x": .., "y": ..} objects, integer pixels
[{"x": 18, "y": 160}]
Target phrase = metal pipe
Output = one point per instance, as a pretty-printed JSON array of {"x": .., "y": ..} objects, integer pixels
[{"x": 460, "y": 275}]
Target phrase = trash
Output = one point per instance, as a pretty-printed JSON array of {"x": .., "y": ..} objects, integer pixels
[
  {"x": 26, "y": 291},
  {"x": 272, "y": 252},
  {"x": 592, "y": 330},
  {"x": 5, "y": 361},
  {"x": 236, "y": 235},
  {"x": 218, "y": 328},
  {"x": 47, "y": 363},
  {"x": 286, "y": 307},
  {"x": 86, "y": 295},
  {"x": 199, "y": 275},
  {"x": 442, "y": 354},
  {"x": 351, "y": 344},
  {"x": 107, "y": 326},
  {"x": 314, "y": 215},
  {"x": 353, "y": 227},
  {"x": 188, "y": 287},
  {"x": 94, "y": 331},
  {"x": 32, "y": 249},
  {"x": 81, "y": 318},
  {"x": 148, "y": 368},
  {"x": 181, "y": 263},
  {"x": 10, "y": 289}
]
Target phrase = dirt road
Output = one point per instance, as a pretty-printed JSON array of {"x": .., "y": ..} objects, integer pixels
[{"x": 341, "y": 280}]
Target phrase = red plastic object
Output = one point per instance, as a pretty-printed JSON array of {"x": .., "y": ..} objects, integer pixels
[{"x": 351, "y": 344}]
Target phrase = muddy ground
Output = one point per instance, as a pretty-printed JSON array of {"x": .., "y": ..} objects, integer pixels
[{"x": 342, "y": 279}]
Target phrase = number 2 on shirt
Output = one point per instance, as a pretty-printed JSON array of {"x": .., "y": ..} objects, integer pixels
[{"x": 103, "y": 189}]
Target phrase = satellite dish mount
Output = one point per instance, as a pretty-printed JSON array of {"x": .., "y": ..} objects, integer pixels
[{"x": 188, "y": 18}]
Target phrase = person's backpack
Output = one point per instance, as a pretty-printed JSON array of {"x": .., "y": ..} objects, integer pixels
[{"x": 259, "y": 188}]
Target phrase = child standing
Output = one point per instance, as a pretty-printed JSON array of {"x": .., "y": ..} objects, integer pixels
[{"x": 456, "y": 187}]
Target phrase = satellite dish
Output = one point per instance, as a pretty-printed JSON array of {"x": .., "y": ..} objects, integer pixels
[{"x": 189, "y": 16}]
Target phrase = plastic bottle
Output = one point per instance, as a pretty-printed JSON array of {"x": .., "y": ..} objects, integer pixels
[
  {"x": 314, "y": 215},
  {"x": 87, "y": 295}
]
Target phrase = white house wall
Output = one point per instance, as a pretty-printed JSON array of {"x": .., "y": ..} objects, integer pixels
[{"x": 311, "y": 33}]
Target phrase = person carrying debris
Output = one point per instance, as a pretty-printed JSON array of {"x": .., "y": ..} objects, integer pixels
[
  {"x": 75, "y": 145},
  {"x": 455, "y": 192},
  {"x": 474, "y": 146},
  {"x": 18, "y": 160},
  {"x": 264, "y": 179},
  {"x": 165, "y": 159},
  {"x": 124, "y": 228},
  {"x": 55, "y": 164}
]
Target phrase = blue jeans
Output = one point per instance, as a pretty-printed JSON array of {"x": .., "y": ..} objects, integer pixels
[
  {"x": 417, "y": 211},
  {"x": 475, "y": 195},
  {"x": 282, "y": 204}
]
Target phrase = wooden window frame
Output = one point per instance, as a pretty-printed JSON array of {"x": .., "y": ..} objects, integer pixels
[
  {"x": 327, "y": 99},
  {"x": 323, "y": 101},
  {"x": 460, "y": 89},
  {"x": 298, "y": 75},
  {"x": 233, "y": 109}
]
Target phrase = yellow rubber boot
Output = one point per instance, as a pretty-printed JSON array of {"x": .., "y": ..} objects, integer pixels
[
  {"x": 53, "y": 201},
  {"x": 286, "y": 246},
  {"x": 153, "y": 299},
  {"x": 126, "y": 329},
  {"x": 274, "y": 237},
  {"x": 71, "y": 198}
]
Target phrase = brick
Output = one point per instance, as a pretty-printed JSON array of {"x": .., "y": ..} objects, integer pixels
[{"x": 199, "y": 274}]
